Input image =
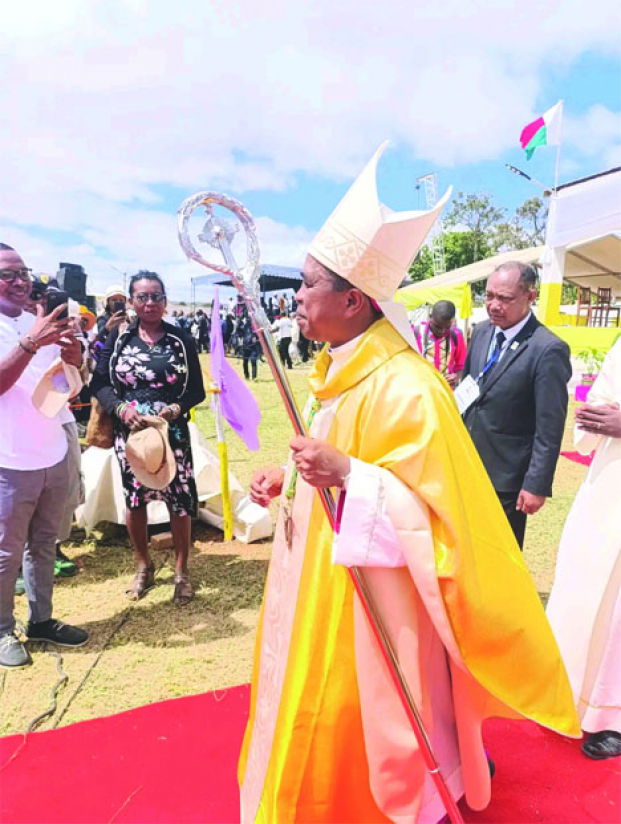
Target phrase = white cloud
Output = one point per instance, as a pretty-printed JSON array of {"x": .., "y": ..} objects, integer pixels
[
  {"x": 148, "y": 240},
  {"x": 106, "y": 102},
  {"x": 597, "y": 132}
]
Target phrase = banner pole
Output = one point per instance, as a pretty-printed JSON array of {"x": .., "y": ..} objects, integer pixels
[{"x": 227, "y": 507}]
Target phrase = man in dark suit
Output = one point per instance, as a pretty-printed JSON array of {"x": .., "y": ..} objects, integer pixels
[{"x": 517, "y": 419}]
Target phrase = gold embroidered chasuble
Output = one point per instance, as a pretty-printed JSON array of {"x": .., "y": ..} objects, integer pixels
[{"x": 304, "y": 756}]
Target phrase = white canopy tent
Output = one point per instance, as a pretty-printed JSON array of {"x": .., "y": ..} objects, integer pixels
[
  {"x": 480, "y": 270},
  {"x": 595, "y": 262},
  {"x": 583, "y": 240},
  {"x": 583, "y": 247},
  {"x": 273, "y": 278},
  {"x": 592, "y": 262},
  {"x": 455, "y": 285}
]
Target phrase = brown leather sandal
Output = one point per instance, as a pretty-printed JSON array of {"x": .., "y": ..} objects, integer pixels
[
  {"x": 183, "y": 590},
  {"x": 144, "y": 580}
]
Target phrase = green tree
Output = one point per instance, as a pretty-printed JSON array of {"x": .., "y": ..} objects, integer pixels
[
  {"x": 422, "y": 266},
  {"x": 476, "y": 229},
  {"x": 526, "y": 228},
  {"x": 477, "y": 215},
  {"x": 460, "y": 249},
  {"x": 464, "y": 248}
]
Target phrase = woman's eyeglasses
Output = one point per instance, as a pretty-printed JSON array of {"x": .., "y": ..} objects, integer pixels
[
  {"x": 8, "y": 275},
  {"x": 155, "y": 297}
]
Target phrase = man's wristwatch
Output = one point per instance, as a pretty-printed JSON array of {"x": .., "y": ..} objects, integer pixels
[
  {"x": 30, "y": 346},
  {"x": 27, "y": 347}
]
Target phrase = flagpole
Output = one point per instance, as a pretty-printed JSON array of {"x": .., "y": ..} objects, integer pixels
[
  {"x": 558, "y": 161},
  {"x": 247, "y": 282},
  {"x": 558, "y": 146}
]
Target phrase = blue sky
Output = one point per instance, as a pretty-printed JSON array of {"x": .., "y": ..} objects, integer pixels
[{"x": 120, "y": 110}]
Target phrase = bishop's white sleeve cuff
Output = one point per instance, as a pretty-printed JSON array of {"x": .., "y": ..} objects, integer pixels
[
  {"x": 586, "y": 442},
  {"x": 365, "y": 536}
]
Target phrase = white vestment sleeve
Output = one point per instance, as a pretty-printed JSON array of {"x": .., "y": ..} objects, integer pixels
[
  {"x": 602, "y": 392},
  {"x": 367, "y": 537}
]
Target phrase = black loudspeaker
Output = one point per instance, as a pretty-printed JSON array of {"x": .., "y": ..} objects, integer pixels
[
  {"x": 91, "y": 303},
  {"x": 72, "y": 278}
]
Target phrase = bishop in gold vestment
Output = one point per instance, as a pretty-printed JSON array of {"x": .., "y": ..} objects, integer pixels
[{"x": 327, "y": 738}]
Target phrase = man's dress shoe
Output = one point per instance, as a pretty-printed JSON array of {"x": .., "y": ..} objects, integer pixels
[{"x": 600, "y": 745}]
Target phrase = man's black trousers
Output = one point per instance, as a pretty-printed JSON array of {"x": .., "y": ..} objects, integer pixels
[{"x": 516, "y": 518}]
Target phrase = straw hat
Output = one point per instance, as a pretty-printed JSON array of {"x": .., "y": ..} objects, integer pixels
[
  {"x": 86, "y": 313},
  {"x": 371, "y": 246},
  {"x": 150, "y": 456},
  {"x": 61, "y": 382}
]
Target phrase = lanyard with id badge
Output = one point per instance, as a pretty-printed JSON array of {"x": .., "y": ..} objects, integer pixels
[{"x": 468, "y": 390}]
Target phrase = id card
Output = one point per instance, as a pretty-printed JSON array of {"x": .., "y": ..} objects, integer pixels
[{"x": 466, "y": 393}]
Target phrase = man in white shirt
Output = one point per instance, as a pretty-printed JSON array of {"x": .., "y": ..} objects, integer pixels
[
  {"x": 517, "y": 416},
  {"x": 284, "y": 330},
  {"x": 33, "y": 462}
]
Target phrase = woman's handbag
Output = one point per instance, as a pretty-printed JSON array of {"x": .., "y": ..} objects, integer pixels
[{"x": 99, "y": 431}]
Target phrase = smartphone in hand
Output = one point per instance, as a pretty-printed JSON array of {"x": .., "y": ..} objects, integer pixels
[{"x": 54, "y": 298}]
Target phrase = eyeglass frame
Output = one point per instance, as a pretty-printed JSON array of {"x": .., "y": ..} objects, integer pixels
[
  {"x": 144, "y": 297},
  {"x": 24, "y": 274}
]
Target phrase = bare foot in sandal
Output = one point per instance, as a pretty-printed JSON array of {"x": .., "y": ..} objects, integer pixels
[
  {"x": 183, "y": 590},
  {"x": 144, "y": 580}
]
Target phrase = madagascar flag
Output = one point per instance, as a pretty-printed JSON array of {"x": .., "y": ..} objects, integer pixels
[{"x": 545, "y": 131}]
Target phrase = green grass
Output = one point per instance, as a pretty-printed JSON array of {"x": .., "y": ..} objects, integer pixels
[
  {"x": 274, "y": 430},
  {"x": 149, "y": 651}
]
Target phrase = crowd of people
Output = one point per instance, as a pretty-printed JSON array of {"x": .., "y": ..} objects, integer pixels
[
  {"x": 239, "y": 337},
  {"x": 438, "y": 453},
  {"x": 140, "y": 364}
]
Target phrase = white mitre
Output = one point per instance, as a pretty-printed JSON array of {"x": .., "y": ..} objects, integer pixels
[{"x": 371, "y": 246}]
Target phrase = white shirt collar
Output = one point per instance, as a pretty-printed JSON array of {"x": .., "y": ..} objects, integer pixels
[
  {"x": 341, "y": 354},
  {"x": 512, "y": 331}
]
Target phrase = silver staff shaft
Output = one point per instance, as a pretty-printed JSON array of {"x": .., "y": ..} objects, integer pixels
[{"x": 250, "y": 294}]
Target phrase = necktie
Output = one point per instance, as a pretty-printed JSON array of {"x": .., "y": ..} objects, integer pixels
[{"x": 500, "y": 339}]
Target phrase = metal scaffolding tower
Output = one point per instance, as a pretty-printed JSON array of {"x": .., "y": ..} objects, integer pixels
[{"x": 434, "y": 238}]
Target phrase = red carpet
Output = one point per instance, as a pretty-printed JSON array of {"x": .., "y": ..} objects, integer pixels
[
  {"x": 577, "y": 457},
  {"x": 176, "y": 762}
]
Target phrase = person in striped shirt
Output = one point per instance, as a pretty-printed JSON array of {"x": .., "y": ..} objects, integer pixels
[{"x": 442, "y": 343}]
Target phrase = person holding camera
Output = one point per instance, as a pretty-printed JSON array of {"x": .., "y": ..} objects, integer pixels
[
  {"x": 33, "y": 461},
  {"x": 152, "y": 369},
  {"x": 44, "y": 291},
  {"x": 114, "y": 314}
]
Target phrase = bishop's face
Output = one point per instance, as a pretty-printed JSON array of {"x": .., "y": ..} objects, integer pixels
[{"x": 320, "y": 311}]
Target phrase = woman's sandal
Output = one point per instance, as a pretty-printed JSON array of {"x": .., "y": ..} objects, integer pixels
[
  {"x": 183, "y": 590},
  {"x": 144, "y": 580}
]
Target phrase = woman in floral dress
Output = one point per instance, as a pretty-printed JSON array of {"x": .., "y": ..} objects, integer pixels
[{"x": 152, "y": 368}]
